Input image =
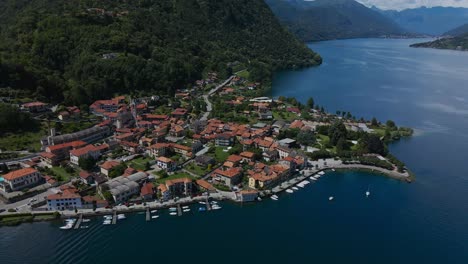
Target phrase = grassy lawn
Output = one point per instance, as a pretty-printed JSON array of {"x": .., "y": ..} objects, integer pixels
[
  {"x": 323, "y": 139},
  {"x": 284, "y": 115},
  {"x": 244, "y": 74},
  {"x": 175, "y": 176},
  {"x": 140, "y": 163},
  {"x": 196, "y": 169},
  {"x": 59, "y": 171},
  {"x": 24, "y": 141},
  {"x": 379, "y": 131},
  {"x": 220, "y": 155}
]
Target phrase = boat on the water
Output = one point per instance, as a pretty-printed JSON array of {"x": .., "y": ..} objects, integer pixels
[
  {"x": 201, "y": 209},
  {"x": 367, "y": 192},
  {"x": 274, "y": 197},
  {"x": 67, "y": 226},
  {"x": 173, "y": 213},
  {"x": 185, "y": 207},
  {"x": 216, "y": 207},
  {"x": 121, "y": 217},
  {"x": 331, "y": 198},
  {"x": 313, "y": 178},
  {"x": 155, "y": 216},
  {"x": 173, "y": 209},
  {"x": 214, "y": 202},
  {"x": 86, "y": 220},
  {"x": 295, "y": 188},
  {"x": 186, "y": 210},
  {"x": 259, "y": 199},
  {"x": 107, "y": 222},
  {"x": 154, "y": 211},
  {"x": 202, "y": 202},
  {"x": 84, "y": 227},
  {"x": 289, "y": 191}
]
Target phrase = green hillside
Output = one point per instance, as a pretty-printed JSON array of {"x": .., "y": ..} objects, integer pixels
[{"x": 81, "y": 50}]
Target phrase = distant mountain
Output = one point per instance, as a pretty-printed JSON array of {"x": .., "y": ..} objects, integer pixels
[
  {"x": 432, "y": 21},
  {"x": 82, "y": 50},
  {"x": 332, "y": 19},
  {"x": 455, "y": 43},
  {"x": 461, "y": 30}
]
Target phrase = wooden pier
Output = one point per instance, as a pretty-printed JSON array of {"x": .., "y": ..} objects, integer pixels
[
  {"x": 208, "y": 205},
  {"x": 179, "y": 210},
  {"x": 114, "y": 218},
  {"x": 78, "y": 222}
]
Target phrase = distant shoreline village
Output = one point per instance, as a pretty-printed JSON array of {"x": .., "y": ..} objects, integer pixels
[{"x": 218, "y": 140}]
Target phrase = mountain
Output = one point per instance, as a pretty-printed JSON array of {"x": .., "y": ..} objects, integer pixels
[
  {"x": 82, "y": 50},
  {"x": 455, "y": 43},
  {"x": 461, "y": 30},
  {"x": 431, "y": 21},
  {"x": 332, "y": 19}
]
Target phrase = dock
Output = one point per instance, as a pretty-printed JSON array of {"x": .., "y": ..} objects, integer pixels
[
  {"x": 148, "y": 214},
  {"x": 114, "y": 218},
  {"x": 208, "y": 205},
  {"x": 179, "y": 210},
  {"x": 78, "y": 222}
]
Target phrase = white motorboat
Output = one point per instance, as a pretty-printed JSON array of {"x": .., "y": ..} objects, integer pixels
[
  {"x": 86, "y": 220},
  {"x": 321, "y": 173},
  {"x": 289, "y": 191},
  {"x": 331, "y": 198},
  {"x": 173, "y": 209},
  {"x": 259, "y": 199},
  {"x": 155, "y": 216},
  {"x": 185, "y": 207},
  {"x": 108, "y": 217},
  {"x": 295, "y": 188},
  {"x": 66, "y": 227},
  {"x": 333, "y": 170},
  {"x": 216, "y": 207},
  {"x": 121, "y": 217},
  {"x": 186, "y": 210},
  {"x": 214, "y": 202},
  {"x": 368, "y": 192},
  {"x": 202, "y": 202},
  {"x": 313, "y": 178},
  {"x": 107, "y": 222},
  {"x": 84, "y": 227},
  {"x": 154, "y": 211},
  {"x": 173, "y": 213}
]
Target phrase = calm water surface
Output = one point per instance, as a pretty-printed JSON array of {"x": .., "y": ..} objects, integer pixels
[{"x": 423, "y": 222}]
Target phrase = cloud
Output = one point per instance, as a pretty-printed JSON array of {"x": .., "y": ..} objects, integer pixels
[{"x": 404, "y": 4}]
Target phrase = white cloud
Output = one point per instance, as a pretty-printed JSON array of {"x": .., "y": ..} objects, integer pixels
[{"x": 404, "y": 4}]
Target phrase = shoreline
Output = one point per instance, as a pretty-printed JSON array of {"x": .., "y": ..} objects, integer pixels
[{"x": 306, "y": 173}]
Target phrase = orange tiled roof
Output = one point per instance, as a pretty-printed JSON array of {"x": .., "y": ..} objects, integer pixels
[{"x": 19, "y": 173}]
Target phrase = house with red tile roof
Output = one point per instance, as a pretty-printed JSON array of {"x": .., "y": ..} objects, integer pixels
[
  {"x": 65, "y": 200},
  {"x": 166, "y": 164},
  {"x": 182, "y": 186},
  {"x": 34, "y": 107},
  {"x": 20, "y": 179},
  {"x": 147, "y": 191},
  {"x": 107, "y": 166},
  {"x": 228, "y": 177},
  {"x": 84, "y": 153}
]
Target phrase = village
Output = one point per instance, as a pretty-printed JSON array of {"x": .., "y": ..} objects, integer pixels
[{"x": 215, "y": 139}]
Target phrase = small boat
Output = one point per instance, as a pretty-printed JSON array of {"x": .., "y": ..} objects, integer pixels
[
  {"x": 214, "y": 202},
  {"x": 202, "y": 202},
  {"x": 86, "y": 220},
  {"x": 185, "y": 207},
  {"x": 154, "y": 211},
  {"x": 173, "y": 213},
  {"x": 333, "y": 170},
  {"x": 108, "y": 217},
  {"x": 172, "y": 209},
  {"x": 66, "y": 227},
  {"x": 155, "y": 217},
  {"x": 289, "y": 191},
  {"x": 107, "y": 222},
  {"x": 201, "y": 209},
  {"x": 331, "y": 198},
  {"x": 186, "y": 210},
  {"x": 367, "y": 192},
  {"x": 259, "y": 199},
  {"x": 70, "y": 221},
  {"x": 321, "y": 173},
  {"x": 295, "y": 188},
  {"x": 121, "y": 217},
  {"x": 84, "y": 227},
  {"x": 313, "y": 178},
  {"x": 216, "y": 207}
]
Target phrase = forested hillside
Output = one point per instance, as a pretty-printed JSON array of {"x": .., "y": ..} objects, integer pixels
[
  {"x": 332, "y": 19},
  {"x": 461, "y": 30},
  {"x": 81, "y": 50}
]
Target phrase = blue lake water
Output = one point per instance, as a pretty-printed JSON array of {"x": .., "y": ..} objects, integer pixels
[{"x": 422, "y": 222}]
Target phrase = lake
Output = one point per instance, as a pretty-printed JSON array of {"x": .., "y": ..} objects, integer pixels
[{"x": 422, "y": 222}]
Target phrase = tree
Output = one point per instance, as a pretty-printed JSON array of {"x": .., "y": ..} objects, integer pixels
[
  {"x": 336, "y": 131},
  {"x": 87, "y": 163},
  {"x": 374, "y": 122},
  {"x": 310, "y": 103},
  {"x": 306, "y": 137},
  {"x": 108, "y": 196},
  {"x": 390, "y": 124},
  {"x": 371, "y": 143}
]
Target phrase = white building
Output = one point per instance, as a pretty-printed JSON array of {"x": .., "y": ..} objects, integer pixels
[
  {"x": 20, "y": 179},
  {"x": 66, "y": 200},
  {"x": 84, "y": 153}
]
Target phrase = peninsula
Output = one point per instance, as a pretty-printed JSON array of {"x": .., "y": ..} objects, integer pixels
[{"x": 218, "y": 139}]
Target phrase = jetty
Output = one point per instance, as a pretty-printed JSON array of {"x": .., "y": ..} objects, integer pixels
[
  {"x": 78, "y": 222},
  {"x": 208, "y": 205},
  {"x": 114, "y": 218},
  {"x": 179, "y": 210},
  {"x": 148, "y": 214}
]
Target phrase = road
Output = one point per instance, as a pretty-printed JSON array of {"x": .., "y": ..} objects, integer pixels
[
  {"x": 209, "y": 107},
  {"x": 23, "y": 205}
]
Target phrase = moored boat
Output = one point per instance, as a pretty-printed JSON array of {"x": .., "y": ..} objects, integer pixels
[
  {"x": 186, "y": 210},
  {"x": 173, "y": 213},
  {"x": 154, "y": 211},
  {"x": 67, "y": 226},
  {"x": 155, "y": 216},
  {"x": 289, "y": 191},
  {"x": 121, "y": 217}
]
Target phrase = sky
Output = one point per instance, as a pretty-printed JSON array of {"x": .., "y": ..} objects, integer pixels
[{"x": 404, "y": 4}]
